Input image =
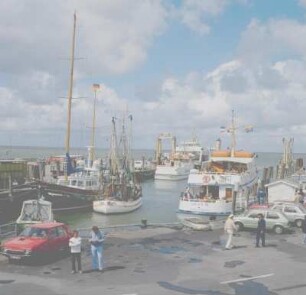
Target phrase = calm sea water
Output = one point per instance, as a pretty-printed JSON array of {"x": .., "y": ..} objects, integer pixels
[{"x": 160, "y": 198}]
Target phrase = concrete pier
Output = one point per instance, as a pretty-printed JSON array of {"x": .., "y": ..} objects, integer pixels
[{"x": 165, "y": 261}]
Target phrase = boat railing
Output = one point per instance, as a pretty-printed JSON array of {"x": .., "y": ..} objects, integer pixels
[{"x": 8, "y": 230}]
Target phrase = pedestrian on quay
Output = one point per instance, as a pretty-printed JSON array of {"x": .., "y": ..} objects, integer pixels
[
  {"x": 304, "y": 230},
  {"x": 75, "y": 243},
  {"x": 230, "y": 228},
  {"x": 261, "y": 231},
  {"x": 96, "y": 241}
]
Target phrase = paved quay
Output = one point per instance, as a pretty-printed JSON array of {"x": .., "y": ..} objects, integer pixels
[{"x": 165, "y": 260}]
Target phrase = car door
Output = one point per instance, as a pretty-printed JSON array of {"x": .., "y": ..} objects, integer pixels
[
  {"x": 272, "y": 219},
  {"x": 291, "y": 212},
  {"x": 251, "y": 220},
  {"x": 63, "y": 238},
  {"x": 53, "y": 240}
]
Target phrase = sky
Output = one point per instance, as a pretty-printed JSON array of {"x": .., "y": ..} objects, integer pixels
[{"x": 178, "y": 66}]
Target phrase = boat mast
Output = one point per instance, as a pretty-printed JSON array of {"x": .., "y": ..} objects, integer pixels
[
  {"x": 233, "y": 135},
  {"x": 91, "y": 148},
  {"x": 67, "y": 142}
]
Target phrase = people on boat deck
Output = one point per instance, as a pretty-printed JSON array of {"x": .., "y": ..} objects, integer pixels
[
  {"x": 230, "y": 228},
  {"x": 96, "y": 240},
  {"x": 187, "y": 193},
  {"x": 75, "y": 250}
]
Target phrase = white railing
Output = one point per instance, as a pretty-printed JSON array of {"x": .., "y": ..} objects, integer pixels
[{"x": 8, "y": 230}]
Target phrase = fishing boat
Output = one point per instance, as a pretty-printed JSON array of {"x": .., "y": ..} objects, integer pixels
[
  {"x": 224, "y": 184},
  {"x": 120, "y": 193},
  {"x": 76, "y": 189},
  {"x": 175, "y": 166},
  {"x": 143, "y": 170}
]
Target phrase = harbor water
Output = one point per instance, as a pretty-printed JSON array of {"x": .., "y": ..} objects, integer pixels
[{"x": 160, "y": 198}]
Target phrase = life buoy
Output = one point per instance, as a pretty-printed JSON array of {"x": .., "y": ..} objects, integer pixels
[{"x": 206, "y": 179}]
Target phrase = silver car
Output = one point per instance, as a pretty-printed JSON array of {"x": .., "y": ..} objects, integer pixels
[
  {"x": 295, "y": 212},
  {"x": 275, "y": 220}
]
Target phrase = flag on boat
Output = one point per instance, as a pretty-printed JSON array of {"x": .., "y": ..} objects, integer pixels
[
  {"x": 96, "y": 86},
  {"x": 248, "y": 128}
]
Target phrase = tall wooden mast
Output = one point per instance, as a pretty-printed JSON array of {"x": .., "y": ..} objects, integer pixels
[{"x": 67, "y": 142}]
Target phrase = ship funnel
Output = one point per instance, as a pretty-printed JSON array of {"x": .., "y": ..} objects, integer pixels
[{"x": 218, "y": 144}]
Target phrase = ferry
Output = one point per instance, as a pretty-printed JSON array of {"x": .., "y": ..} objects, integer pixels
[{"x": 224, "y": 184}]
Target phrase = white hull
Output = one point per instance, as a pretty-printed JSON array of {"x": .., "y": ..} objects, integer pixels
[
  {"x": 115, "y": 206},
  {"x": 196, "y": 223},
  {"x": 172, "y": 172},
  {"x": 219, "y": 207}
]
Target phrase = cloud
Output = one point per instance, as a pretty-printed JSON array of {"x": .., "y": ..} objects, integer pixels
[
  {"x": 271, "y": 41},
  {"x": 197, "y": 14}
]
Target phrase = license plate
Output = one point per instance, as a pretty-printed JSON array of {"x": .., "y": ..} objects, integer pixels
[{"x": 15, "y": 257}]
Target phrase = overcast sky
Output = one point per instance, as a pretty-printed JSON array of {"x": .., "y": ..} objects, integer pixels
[{"x": 176, "y": 66}]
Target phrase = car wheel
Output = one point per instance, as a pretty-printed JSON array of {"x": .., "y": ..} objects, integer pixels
[
  {"x": 239, "y": 226},
  {"x": 299, "y": 222},
  {"x": 278, "y": 229}
]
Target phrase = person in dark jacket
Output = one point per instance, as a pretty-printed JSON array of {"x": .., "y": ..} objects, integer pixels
[
  {"x": 261, "y": 231},
  {"x": 304, "y": 230}
]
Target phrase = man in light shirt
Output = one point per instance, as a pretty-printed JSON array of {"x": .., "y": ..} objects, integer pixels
[
  {"x": 75, "y": 249},
  {"x": 229, "y": 228}
]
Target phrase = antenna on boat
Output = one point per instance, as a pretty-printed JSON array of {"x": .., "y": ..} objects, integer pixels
[
  {"x": 67, "y": 142},
  {"x": 91, "y": 148},
  {"x": 232, "y": 130},
  {"x": 233, "y": 134}
]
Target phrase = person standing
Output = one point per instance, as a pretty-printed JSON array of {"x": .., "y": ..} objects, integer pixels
[
  {"x": 229, "y": 228},
  {"x": 304, "y": 230},
  {"x": 96, "y": 241},
  {"x": 75, "y": 249},
  {"x": 261, "y": 231}
]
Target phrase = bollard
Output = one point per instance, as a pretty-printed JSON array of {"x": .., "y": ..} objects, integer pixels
[{"x": 143, "y": 223}]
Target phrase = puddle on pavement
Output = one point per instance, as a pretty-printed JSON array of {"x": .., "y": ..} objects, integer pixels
[
  {"x": 6, "y": 281},
  {"x": 234, "y": 263}
]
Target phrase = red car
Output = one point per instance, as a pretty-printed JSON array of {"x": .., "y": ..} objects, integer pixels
[{"x": 38, "y": 241}]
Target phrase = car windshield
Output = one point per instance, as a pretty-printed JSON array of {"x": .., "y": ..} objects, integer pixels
[{"x": 34, "y": 232}]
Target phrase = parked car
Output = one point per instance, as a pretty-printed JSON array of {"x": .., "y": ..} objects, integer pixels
[
  {"x": 275, "y": 220},
  {"x": 38, "y": 241},
  {"x": 295, "y": 212}
]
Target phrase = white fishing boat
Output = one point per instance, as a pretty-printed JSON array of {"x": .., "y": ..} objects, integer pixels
[
  {"x": 175, "y": 166},
  {"x": 173, "y": 170},
  {"x": 224, "y": 184},
  {"x": 120, "y": 193},
  {"x": 115, "y": 206},
  {"x": 35, "y": 211}
]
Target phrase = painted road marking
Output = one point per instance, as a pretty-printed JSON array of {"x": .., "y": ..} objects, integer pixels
[{"x": 248, "y": 279}]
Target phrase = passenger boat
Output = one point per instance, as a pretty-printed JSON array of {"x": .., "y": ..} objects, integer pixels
[
  {"x": 120, "y": 193},
  {"x": 223, "y": 184}
]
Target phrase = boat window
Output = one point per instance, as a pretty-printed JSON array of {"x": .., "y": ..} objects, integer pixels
[
  {"x": 80, "y": 183},
  {"x": 88, "y": 183},
  {"x": 74, "y": 182},
  {"x": 272, "y": 215},
  {"x": 228, "y": 193},
  {"x": 279, "y": 207}
]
